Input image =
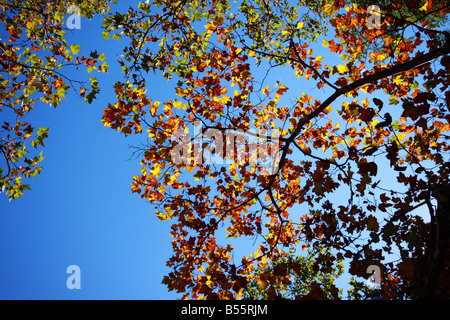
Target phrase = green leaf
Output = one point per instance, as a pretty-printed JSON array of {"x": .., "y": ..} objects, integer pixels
[
  {"x": 43, "y": 132},
  {"x": 75, "y": 48},
  {"x": 329, "y": 8},
  {"x": 393, "y": 100},
  {"x": 396, "y": 125},
  {"x": 104, "y": 67},
  {"x": 105, "y": 35}
]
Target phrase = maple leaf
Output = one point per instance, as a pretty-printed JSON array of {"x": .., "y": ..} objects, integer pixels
[
  {"x": 370, "y": 168},
  {"x": 366, "y": 115}
]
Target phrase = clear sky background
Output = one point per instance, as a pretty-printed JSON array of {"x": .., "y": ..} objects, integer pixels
[{"x": 81, "y": 210}]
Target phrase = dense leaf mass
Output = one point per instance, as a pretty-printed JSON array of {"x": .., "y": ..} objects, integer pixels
[{"x": 358, "y": 155}]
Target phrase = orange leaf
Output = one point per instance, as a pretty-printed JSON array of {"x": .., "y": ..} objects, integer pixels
[{"x": 58, "y": 83}]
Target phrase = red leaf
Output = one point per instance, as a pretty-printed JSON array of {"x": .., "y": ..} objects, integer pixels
[
  {"x": 392, "y": 153},
  {"x": 413, "y": 4},
  {"x": 341, "y": 82},
  {"x": 366, "y": 115},
  {"x": 370, "y": 168}
]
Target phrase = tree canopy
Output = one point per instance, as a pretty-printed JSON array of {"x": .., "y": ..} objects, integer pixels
[
  {"x": 294, "y": 127},
  {"x": 35, "y": 60}
]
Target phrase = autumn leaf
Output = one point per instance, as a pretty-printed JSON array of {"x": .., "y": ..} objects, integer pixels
[
  {"x": 370, "y": 168},
  {"x": 58, "y": 83},
  {"x": 366, "y": 115}
]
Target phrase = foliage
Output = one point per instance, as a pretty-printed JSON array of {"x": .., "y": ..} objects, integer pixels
[
  {"x": 362, "y": 137},
  {"x": 296, "y": 277},
  {"x": 356, "y": 114},
  {"x": 34, "y": 58}
]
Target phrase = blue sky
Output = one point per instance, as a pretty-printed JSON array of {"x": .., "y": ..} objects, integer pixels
[{"x": 81, "y": 210}]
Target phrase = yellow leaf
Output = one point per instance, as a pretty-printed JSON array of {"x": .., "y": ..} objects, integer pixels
[
  {"x": 342, "y": 68},
  {"x": 178, "y": 104},
  {"x": 169, "y": 180},
  {"x": 154, "y": 108},
  {"x": 222, "y": 100},
  {"x": 401, "y": 136},
  {"x": 424, "y": 7},
  {"x": 398, "y": 80},
  {"x": 168, "y": 215},
  {"x": 156, "y": 170}
]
